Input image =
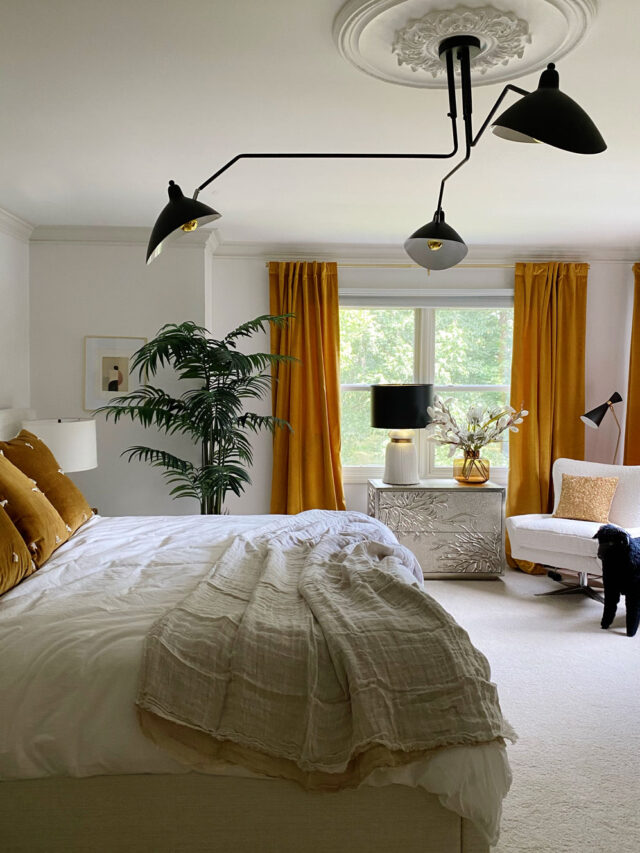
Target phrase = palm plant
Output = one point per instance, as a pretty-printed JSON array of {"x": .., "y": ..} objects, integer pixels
[{"x": 211, "y": 414}]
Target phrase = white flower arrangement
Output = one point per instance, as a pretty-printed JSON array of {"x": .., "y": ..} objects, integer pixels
[{"x": 483, "y": 425}]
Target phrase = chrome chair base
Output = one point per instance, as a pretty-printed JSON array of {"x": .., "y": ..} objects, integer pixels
[{"x": 580, "y": 588}]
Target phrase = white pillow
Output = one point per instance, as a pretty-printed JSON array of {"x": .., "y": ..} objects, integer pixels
[{"x": 625, "y": 508}]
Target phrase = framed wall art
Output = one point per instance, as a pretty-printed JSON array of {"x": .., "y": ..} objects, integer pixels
[{"x": 107, "y": 362}]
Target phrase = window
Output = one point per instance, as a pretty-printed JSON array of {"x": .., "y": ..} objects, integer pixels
[
  {"x": 376, "y": 345},
  {"x": 465, "y": 352}
]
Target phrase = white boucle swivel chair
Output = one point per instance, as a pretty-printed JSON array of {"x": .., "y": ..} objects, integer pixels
[{"x": 562, "y": 543}]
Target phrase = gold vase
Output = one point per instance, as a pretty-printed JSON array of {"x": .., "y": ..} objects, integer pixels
[{"x": 471, "y": 468}]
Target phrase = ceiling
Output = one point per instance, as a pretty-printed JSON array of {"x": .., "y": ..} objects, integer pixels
[{"x": 104, "y": 102}]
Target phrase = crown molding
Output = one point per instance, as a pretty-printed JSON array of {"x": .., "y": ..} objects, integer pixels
[
  {"x": 311, "y": 251},
  {"x": 210, "y": 240},
  {"x": 112, "y": 236},
  {"x": 394, "y": 254},
  {"x": 14, "y": 226},
  {"x": 568, "y": 252}
]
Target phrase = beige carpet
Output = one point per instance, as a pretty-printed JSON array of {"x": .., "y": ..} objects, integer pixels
[{"x": 572, "y": 692}]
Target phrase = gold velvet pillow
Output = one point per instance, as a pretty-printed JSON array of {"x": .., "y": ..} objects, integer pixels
[
  {"x": 586, "y": 498},
  {"x": 15, "y": 559},
  {"x": 37, "y": 521},
  {"x": 32, "y": 456}
]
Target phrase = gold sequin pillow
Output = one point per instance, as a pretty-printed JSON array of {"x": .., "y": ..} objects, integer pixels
[
  {"x": 37, "y": 521},
  {"x": 15, "y": 559},
  {"x": 32, "y": 456},
  {"x": 586, "y": 498}
]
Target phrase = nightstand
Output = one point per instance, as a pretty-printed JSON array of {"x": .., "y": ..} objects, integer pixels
[{"x": 455, "y": 531}]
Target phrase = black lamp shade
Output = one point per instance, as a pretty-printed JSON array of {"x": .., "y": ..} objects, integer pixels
[
  {"x": 548, "y": 115},
  {"x": 400, "y": 406},
  {"x": 178, "y": 212},
  {"x": 436, "y": 245},
  {"x": 594, "y": 418}
]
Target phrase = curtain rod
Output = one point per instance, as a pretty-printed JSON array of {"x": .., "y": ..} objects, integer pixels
[{"x": 417, "y": 266}]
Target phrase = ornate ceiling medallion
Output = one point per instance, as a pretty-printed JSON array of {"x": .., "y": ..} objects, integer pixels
[
  {"x": 503, "y": 37},
  {"x": 397, "y": 40}
]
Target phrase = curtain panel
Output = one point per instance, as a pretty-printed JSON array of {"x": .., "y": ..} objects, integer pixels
[
  {"x": 547, "y": 378},
  {"x": 307, "y": 471},
  {"x": 632, "y": 429}
]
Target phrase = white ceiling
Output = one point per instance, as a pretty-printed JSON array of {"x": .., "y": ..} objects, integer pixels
[{"x": 103, "y": 102}]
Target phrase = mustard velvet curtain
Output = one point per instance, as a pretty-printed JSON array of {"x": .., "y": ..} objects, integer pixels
[
  {"x": 632, "y": 430},
  {"x": 307, "y": 472},
  {"x": 547, "y": 377}
]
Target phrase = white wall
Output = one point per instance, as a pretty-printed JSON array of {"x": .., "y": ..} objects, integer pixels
[
  {"x": 609, "y": 312},
  {"x": 14, "y": 312},
  {"x": 88, "y": 284},
  {"x": 239, "y": 291}
]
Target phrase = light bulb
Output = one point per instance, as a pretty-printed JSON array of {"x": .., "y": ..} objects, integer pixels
[
  {"x": 434, "y": 245},
  {"x": 190, "y": 226}
]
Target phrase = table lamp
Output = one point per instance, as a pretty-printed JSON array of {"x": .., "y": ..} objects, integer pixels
[
  {"x": 401, "y": 409},
  {"x": 594, "y": 418},
  {"x": 71, "y": 440}
]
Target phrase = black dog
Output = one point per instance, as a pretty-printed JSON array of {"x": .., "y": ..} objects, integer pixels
[{"x": 620, "y": 556}]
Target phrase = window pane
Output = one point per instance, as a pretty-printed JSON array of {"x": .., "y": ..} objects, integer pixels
[
  {"x": 497, "y": 453},
  {"x": 473, "y": 346},
  {"x": 376, "y": 345},
  {"x": 361, "y": 445}
]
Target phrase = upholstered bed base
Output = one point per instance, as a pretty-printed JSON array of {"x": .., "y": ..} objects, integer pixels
[{"x": 194, "y": 813}]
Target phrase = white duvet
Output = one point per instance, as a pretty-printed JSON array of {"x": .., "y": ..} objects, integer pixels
[{"x": 71, "y": 637}]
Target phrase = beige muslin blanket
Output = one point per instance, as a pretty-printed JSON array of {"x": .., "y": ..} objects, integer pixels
[{"x": 311, "y": 652}]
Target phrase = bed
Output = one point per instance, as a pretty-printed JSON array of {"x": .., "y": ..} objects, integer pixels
[{"x": 78, "y": 774}]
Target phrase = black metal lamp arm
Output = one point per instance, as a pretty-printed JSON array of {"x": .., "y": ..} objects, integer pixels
[
  {"x": 466, "y": 114},
  {"x": 465, "y": 85},
  {"x": 508, "y": 88},
  {"x": 470, "y": 141},
  {"x": 323, "y": 156},
  {"x": 452, "y": 114}
]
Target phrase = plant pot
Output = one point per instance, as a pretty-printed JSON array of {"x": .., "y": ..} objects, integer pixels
[{"x": 471, "y": 468}]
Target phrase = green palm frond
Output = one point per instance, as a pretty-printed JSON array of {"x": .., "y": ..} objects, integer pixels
[
  {"x": 259, "y": 324},
  {"x": 258, "y": 422},
  {"x": 170, "y": 347},
  {"x": 146, "y": 404},
  {"x": 159, "y": 458}
]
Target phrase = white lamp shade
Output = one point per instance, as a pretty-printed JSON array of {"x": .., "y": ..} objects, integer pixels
[{"x": 71, "y": 440}]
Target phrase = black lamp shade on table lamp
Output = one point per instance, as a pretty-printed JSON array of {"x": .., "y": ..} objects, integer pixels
[
  {"x": 400, "y": 406},
  {"x": 401, "y": 409}
]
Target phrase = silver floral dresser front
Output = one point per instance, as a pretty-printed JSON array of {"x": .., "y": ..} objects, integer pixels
[{"x": 455, "y": 531}]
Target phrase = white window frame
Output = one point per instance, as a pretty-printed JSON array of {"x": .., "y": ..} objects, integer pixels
[{"x": 423, "y": 371}]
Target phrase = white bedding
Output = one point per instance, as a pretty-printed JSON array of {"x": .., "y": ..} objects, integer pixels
[{"x": 71, "y": 637}]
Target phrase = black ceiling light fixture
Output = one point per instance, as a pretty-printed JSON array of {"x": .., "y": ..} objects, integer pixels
[
  {"x": 181, "y": 213},
  {"x": 436, "y": 245},
  {"x": 546, "y": 115}
]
